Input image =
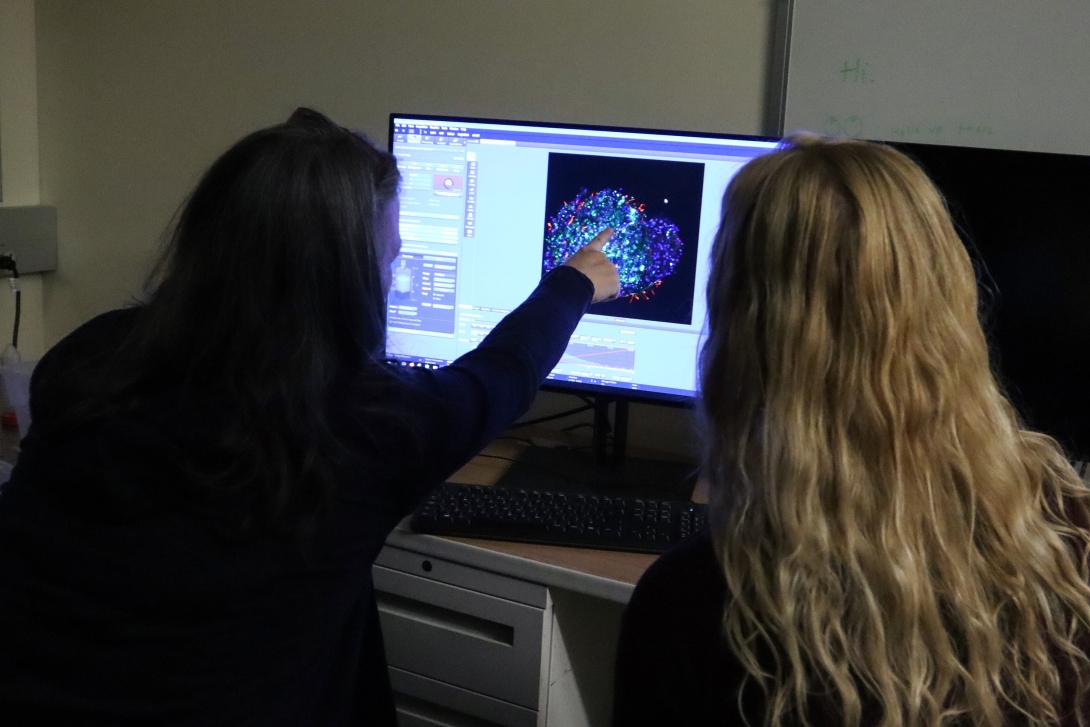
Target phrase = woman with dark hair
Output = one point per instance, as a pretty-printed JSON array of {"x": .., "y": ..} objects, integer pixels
[
  {"x": 188, "y": 535},
  {"x": 888, "y": 544}
]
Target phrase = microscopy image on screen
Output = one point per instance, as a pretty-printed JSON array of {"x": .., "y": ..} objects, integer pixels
[
  {"x": 654, "y": 209},
  {"x": 647, "y": 249}
]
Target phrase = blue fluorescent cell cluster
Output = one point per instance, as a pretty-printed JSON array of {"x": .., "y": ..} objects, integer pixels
[{"x": 644, "y": 250}]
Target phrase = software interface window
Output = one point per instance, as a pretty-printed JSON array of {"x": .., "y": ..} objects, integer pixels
[{"x": 488, "y": 208}]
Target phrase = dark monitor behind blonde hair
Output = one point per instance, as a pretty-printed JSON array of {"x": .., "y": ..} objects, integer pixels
[{"x": 890, "y": 535}]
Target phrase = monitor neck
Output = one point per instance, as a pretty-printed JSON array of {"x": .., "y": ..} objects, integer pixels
[{"x": 604, "y": 453}]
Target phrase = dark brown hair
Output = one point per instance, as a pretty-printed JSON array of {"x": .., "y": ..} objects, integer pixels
[{"x": 268, "y": 305}]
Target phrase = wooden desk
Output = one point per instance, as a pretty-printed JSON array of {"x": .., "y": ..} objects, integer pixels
[{"x": 578, "y": 595}]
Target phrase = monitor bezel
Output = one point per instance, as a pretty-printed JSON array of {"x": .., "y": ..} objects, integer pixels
[
  {"x": 567, "y": 125},
  {"x": 572, "y": 387}
]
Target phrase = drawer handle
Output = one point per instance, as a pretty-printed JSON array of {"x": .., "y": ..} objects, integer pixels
[
  {"x": 431, "y": 713},
  {"x": 445, "y": 618}
]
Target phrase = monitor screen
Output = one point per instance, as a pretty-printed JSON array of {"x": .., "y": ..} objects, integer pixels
[
  {"x": 488, "y": 207},
  {"x": 1025, "y": 219}
]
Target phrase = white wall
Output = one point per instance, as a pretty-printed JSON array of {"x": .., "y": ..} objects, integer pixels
[
  {"x": 19, "y": 159},
  {"x": 137, "y": 97}
]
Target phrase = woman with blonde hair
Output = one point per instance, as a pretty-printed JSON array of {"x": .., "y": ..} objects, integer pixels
[{"x": 888, "y": 546}]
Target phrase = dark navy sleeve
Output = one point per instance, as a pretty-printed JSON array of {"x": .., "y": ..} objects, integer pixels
[{"x": 474, "y": 399}]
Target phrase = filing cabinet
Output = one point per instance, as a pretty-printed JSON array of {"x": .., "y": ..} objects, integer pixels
[{"x": 464, "y": 646}]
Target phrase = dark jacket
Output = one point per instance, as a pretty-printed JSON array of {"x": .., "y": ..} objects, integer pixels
[{"x": 135, "y": 609}]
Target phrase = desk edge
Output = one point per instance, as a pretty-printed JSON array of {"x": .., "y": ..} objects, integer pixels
[{"x": 509, "y": 565}]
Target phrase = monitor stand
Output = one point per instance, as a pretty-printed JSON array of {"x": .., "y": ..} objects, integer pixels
[{"x": 604, "y": 466}]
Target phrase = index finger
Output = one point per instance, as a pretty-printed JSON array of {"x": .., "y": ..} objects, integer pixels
[{"x": 600, "y": 239}]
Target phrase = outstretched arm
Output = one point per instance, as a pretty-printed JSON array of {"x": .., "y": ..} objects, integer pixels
[{"x": 475, "y": 398}]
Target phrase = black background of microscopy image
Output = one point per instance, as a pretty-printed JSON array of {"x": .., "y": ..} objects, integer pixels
[{"x": 650, "y": 181}]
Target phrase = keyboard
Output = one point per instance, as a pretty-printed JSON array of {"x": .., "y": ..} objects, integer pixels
[{"x": 578, "y": 519}]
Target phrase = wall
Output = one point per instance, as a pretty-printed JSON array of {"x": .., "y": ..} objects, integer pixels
[
  {"x": 137, "y": 97},
  {"x": 19, "y": 160}
]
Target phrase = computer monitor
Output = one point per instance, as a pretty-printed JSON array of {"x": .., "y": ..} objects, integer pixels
[
  {"x": 488, "y": 206},
  {"x": 1025, "y": 219}
]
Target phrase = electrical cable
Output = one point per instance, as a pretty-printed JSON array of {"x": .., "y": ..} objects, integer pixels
[
  {"x": 551, "y": 417},
  {"x": 7, "y": 262},
  {"x": 546, "y": 470},
  {"x": 18, "y": 311},
  {"x": 523, "y": 440}
]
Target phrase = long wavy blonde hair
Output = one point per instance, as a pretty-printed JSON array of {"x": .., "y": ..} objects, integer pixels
[{"x": 891, "y": 536}]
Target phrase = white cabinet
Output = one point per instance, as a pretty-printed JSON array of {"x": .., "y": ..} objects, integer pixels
[
  {"x": 464, "y": 646},
  {"x": 468, "y": 647}
]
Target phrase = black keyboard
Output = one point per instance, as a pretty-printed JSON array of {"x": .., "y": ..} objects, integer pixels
[{"x": 584, "y": 520}]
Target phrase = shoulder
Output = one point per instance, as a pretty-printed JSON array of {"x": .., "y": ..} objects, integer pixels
[
  {"x": 102, "y": 330},
  {"x": 52, "y": 382},
  {"x": 686, "y": 582},
  {"x": 677, "y": 606},
  {"x": 673, "y": 663},
  {"x": 108, "y": 324}
]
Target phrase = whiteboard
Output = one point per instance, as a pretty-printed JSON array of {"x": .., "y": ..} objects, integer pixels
[{"x": 1011, "y": 74}]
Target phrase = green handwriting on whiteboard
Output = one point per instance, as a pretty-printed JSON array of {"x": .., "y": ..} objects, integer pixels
[
  {"x": 975, "y": 130},
  {"x": 910, "y": 131},
  {"x": 851, "y": 125},
  {"x": 854, "y": 72},
  {"x": 935, "y": 131}
]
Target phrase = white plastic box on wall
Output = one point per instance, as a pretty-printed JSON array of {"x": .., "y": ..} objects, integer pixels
[{"x": 29, "y": 234}]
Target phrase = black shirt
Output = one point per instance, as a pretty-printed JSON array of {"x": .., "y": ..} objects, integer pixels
[
  {"x": 155, "y": 617},
  {"x": 675, "y": 667},
  {"x": 673, "y": 664}
]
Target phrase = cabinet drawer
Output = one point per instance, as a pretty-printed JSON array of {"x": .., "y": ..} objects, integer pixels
[
  {"x": 451, "y": 634},
  {"x": 421, "y": 701},
  {"x": 455, "y": 574}
]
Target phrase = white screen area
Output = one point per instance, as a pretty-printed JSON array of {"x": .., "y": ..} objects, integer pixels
[{"x": 488, "y": 208}]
